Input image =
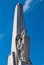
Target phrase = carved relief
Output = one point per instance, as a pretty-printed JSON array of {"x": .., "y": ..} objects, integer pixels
[{"x": 20, "y": 44}]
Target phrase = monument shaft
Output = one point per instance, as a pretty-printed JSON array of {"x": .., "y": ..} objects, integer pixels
[{"x": 20, "y": 48}]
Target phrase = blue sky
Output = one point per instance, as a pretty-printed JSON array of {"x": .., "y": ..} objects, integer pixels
[{"x": 34, "y": 21}]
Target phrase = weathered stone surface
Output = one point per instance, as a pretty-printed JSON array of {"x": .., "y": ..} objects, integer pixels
[
  {"x": 11, "y": 59},
  {"x": 20, "y": 48}
]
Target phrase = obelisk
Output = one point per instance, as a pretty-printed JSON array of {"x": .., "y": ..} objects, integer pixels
[{"x": 20, "y": 48}]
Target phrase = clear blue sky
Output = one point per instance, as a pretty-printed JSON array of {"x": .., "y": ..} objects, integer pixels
[{"x": 34, "y": 21}]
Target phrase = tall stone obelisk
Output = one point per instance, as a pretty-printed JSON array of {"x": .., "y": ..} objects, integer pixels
[{"x": 20, "y": 48}]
